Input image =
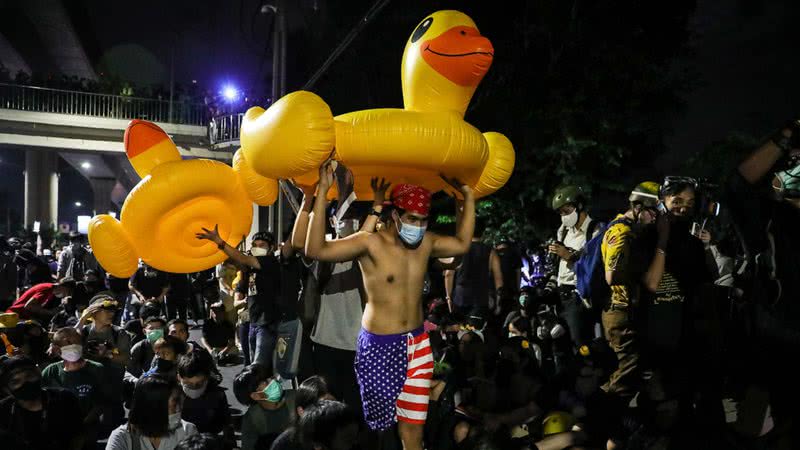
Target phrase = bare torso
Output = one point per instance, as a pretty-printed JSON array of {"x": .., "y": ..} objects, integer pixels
[{"x": 393, "y": 280}]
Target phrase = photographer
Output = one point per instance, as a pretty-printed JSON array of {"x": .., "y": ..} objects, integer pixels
[
  {"x": 764, "y": 197},
  {"x": 110, "y": 346},
  {"x": 576, "y": 229}
]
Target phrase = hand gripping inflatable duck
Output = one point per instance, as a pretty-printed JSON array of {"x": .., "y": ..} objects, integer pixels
[
  {"x": 174, "y": 199},
  {"x": 444, "y": 60}
]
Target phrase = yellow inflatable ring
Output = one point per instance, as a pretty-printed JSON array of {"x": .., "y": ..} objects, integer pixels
[{"x": 174, "y": 200}]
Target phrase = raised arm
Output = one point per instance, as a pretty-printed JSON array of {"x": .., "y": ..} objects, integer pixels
[
  {"x": 317, "y": 247},
  {"x": 497, "y": 271},
  {"x": 379, "y": 195},
  {"x": 446, "y": 246},
  {"x": 300, "y": 230},
  {"x": 758, "y": 163},
  {"x": 234, "y": 254}
]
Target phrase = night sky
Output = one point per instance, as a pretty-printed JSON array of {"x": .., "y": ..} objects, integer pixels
[{"x": 743, "y": 54}]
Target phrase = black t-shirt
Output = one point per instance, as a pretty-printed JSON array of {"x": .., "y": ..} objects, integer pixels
[
  {"x": 472, "y": 278},
  {"x": 135, "y": 328},
  {"x": 292, "y": 271},
  {"x": 685, "y": 271},
  {"x": 510, "y": 262},
  {"x": 218, "y": 333},
  {"x": 39, "y": 272},
  {"x": 210, "y": 412},
  {"x": 288, "y": 440},
  {"x": 149, "y": 281},
  {"x": 117, "y": 285},
  {"x": 263, "y": 288},
  {"x": 769, "y": 228},
  {"x": 53, "y": 427},
  {"x": 180, "y": 286}
]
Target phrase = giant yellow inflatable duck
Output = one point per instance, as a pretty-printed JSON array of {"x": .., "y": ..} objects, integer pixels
[
  {"x": 174, "y": 199},
  {"x": 444, "y": 60}
]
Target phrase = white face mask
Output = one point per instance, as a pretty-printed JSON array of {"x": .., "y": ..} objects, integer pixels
[
  {"x": 175, "y": 420},
  {"x": 511, "y": 335},
  {"x": 194, "y": 393},
  {"x": 346, "y": 227},
  {"x": 570, "y": 220},
  {"x": 258, "y": 251},
  {"x": 72, "y": 353}
]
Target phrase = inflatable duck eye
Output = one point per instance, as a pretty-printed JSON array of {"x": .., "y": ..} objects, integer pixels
[{"x": 421, "y": 29}]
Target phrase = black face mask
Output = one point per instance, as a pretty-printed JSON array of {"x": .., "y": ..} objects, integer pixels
[
  {"x": 451, "y": 338},
  {"x": 30, "y": 390},
  {"x": 164, "y": 365}
]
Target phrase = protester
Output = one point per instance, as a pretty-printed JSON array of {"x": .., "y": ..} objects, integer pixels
[
  {"x": 204, "y": 403},
  {"x": 143, "y": 352},
  {"x": 393, "y": 349},
  {"x": 267, "y": 413},
  {"x": 218, "y": 334},
  {"x": 109, "y": 345},
  {"x": 329, "y": 425},
  {"x": 36, "y": 417},
  {"x": 155, "y": 418},
  {"x": 41, "y": 301},
  {"x": 82, "y": 377}
]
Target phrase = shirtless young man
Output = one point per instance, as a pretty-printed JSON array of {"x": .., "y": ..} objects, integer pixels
[{"x": 393, "y": 363}]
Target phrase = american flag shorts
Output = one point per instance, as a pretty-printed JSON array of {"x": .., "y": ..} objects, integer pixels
[{"x": 394, "y": 375}]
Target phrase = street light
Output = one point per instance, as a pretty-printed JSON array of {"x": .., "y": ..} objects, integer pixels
[
  {"x": 78, "y": 204},
  {"x": 230, "y": 93},
  {"x": 86, "y": 165}
]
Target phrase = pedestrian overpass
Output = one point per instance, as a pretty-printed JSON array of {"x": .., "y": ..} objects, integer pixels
[{"x": 86, "y": 129}]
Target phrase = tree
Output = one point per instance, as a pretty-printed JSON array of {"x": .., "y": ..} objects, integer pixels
[{"x": 581, "y": 87}]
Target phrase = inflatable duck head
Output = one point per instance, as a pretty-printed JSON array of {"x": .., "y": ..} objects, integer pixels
[{"x": 444, "y": 61}]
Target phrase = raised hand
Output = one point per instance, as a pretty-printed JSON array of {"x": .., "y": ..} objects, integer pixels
[
  {"x": 379, "y": 189},
  {"x": 326, "y": 175},
  {"x": 457, "y": 185},
  {"x": 210, "y": 235}
]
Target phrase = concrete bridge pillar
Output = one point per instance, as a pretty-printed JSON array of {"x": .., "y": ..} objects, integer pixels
[{"x": 41, "y": 188}]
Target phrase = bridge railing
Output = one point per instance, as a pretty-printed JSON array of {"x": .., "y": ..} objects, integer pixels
[
  {"x": 38, "y": 99},
  {"x": 224, "y": 129}
]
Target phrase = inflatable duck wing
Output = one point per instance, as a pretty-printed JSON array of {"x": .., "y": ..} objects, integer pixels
[
  {"x": 444, "y": 61},
  {"x": 174, "y": 199}
]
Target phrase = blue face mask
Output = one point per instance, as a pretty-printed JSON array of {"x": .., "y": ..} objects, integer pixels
[{"x": 411, "y": 234}]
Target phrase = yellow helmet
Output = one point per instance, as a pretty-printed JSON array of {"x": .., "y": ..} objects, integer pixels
[
  {"x": 646, "y": 193},
  {"x": 557, "y": 422}
]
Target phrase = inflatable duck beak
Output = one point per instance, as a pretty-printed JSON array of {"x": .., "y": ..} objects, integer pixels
[
  {"x": 147, "y": 146},
  {"x": 460, "y": 54}
]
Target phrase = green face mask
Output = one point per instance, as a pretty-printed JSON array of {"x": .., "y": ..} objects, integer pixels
[
  {"x": 273, "y": 391},
  {"x": 155, "y": 335},
  {"x": 789, "y": 182},
  {"x": 523, "y": 299}
]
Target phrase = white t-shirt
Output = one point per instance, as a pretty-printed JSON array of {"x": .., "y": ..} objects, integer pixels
[
  {"x": 574, "y": 239},
  {"x": 120, "y": 438},
  {"x": 339, "y": 319}
]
